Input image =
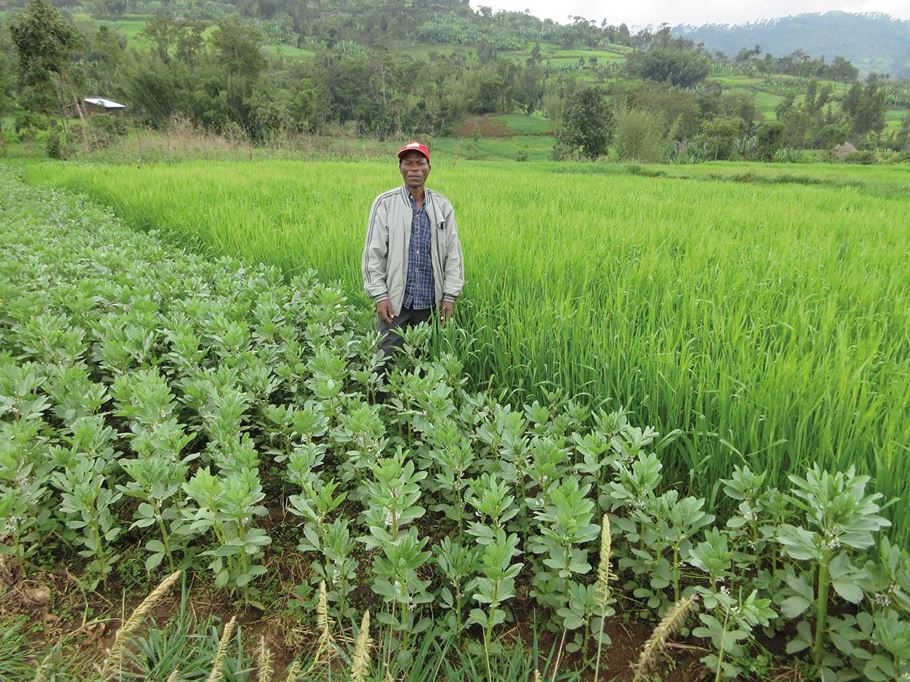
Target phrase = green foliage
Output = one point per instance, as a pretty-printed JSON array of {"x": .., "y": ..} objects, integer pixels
[
  {"x": 728, "y": 624},
  {"x": 86, "y": 502},
  {"x": 28, "y": 124},
  {"x": 639, "y": 136},
  {"x": 768, "y": 139},
  {"x": 719, "y": 137},
  {"x": 838, "y": 517},
  {"x": 45, "y": 45},
  {"x": 701, "y": 224},
  {"x": 678, "y": 66},
  {"x": 586, "y": 126},
  {"x": 226, "y": 506}
]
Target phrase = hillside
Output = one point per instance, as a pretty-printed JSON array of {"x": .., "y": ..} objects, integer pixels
[
  {"x": 494, "y": 85},
  {"x": 873, "y": 42}
]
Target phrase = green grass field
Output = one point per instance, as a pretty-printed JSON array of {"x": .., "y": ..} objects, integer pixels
[
  {"x": 129, "y": 27},
  {"x": 873, "y": 180},
  {"x": 767, "y": 320},
  {"x": 533, "y": 147},
  {"x": 521, "y": 124}
]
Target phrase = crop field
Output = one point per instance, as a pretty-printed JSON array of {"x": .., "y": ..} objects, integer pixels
[
  {"x": 164, "y": 412},
  {"x": 766, "y": 321}
]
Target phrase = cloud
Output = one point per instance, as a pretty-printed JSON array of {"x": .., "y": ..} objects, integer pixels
[{"x": 655, "y": 12}]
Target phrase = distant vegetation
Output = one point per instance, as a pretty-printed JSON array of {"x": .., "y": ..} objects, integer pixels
[
  {"x": 872, "y": 42},
  {"x": 269, "y": 73}
]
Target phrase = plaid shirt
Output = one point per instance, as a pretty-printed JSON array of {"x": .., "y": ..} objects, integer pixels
[{"x": 419, "y": 288}]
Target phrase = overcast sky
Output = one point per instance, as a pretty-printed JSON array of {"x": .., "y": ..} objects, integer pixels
[{"x": 643, "y": 12}]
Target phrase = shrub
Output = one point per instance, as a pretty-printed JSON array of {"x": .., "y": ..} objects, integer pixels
[
  {"x": 28, "y": 124},
  {"x": 863, "y": 156},
  {"x": 639, "y": 136}
]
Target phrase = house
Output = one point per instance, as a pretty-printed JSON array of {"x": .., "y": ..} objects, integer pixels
[
  {"x": 99, "y": 105},
  {"x": 842, "y": 151}
]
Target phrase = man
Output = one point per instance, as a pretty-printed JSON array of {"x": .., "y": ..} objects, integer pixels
[{"x": 412, "y": 257}]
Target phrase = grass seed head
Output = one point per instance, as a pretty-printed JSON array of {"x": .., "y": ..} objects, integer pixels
[
  {"x": 669, "y": 624},
  {"x": 216, "y": 674},
  {"x": 361, "y": 664},
  {"x": 265, "y": 661},
  {"x": 114, "y": 659},
  {"x": 603, "y": 567}
]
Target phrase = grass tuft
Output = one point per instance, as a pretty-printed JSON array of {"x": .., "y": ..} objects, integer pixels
[{"x": 114, "y": 660}]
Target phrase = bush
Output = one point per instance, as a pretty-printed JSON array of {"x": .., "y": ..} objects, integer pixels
[
  {"x": 864, "y": 157},
  {"x": 791, "y": 155},
  {"x": 639, "y": 136},
  {"x": 28, "y": 124},
  {"x": 59, "y": 144},
  {"x": 106, "y": 129}
]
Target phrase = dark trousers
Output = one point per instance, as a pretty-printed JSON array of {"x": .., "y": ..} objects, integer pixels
[
  {"x": 391, "y": 341},
  {"x": 408, "y": 317}
]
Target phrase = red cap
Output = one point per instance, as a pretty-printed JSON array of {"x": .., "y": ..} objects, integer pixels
[{"x": 414, "y": 147}]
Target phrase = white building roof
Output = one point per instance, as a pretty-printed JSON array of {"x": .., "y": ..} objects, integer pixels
[{"x": 104, "y": 103}]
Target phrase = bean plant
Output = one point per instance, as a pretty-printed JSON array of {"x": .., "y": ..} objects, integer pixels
[
  {"x": 226, "y": 506},
  {"x": 838, "y": 518}
]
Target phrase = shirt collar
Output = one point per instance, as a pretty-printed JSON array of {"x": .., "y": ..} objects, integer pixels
[{"x": 413, "y": 202}]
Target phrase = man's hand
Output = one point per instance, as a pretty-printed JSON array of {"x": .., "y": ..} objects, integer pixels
[
  {"x": 447, "y": 310},
  {"x": 384, "y": 310}
]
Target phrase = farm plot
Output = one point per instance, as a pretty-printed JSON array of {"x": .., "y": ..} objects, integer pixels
[
  {"x": 768, "y": 322},
  {"x": 162, "y": 410}
]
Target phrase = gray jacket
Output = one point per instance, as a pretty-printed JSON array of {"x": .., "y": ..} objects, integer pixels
[{"x": 385, "y": 253}]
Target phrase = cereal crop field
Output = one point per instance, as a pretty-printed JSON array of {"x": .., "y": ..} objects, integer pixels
[{"x": 763, "y": 311}]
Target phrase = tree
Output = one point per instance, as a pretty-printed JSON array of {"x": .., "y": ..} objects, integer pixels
[
  {"x": 719, "y": 136},
  {"x": 103, "y": 60},
  {"x": 108, "y": 8},
  {"x": 683, "y": 68},
  {"x": 171, "y": 39},
  {"x": 236, "y": 47},
  {"x": 842, "y": 71},
  {"x": 853, "y": 100},
  {"x": 45, "y": 45},
  {"x": 678, "y": 107},
  {"x": 7, "y": 86},
  {"x": 903, "y": 136},
  {"x": 769, "y": 138},
  {"x": 869, "y": 111},
  {"x": 586, "y": 126}
]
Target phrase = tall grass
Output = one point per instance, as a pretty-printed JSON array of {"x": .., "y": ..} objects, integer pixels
[{"x": 770, "y": 322}]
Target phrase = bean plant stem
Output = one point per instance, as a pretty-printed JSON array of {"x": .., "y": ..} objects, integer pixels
[
  {"x": 821, "y": 609},
  {"x": 675, "y": 573},
  {"x": 720, "y": 652},
  {"x": 165, "y": 540}
]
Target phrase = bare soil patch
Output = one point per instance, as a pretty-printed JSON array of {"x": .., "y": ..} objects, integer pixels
[{"x": 482, "y": 126}]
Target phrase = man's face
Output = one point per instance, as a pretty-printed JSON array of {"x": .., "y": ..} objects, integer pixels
[{"x": 414, "y": 169}]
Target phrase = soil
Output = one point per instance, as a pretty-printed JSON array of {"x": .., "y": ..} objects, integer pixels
[
  {"x": 482, "y": 126},
  {"x": 86, "y": 622}
]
